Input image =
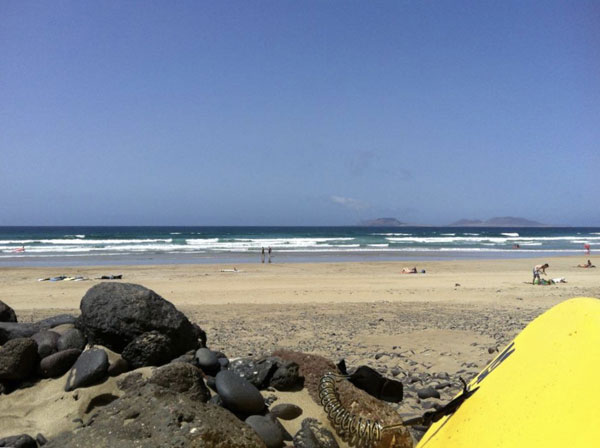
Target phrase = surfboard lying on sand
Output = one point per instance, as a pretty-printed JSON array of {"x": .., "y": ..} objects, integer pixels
[{"x": 542, "y": 390}]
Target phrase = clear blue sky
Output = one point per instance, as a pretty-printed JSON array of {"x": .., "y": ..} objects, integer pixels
[{"x": 298, "y": 112}]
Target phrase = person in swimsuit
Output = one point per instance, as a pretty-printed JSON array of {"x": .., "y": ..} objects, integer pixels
[{"x": 537, "y": 269}]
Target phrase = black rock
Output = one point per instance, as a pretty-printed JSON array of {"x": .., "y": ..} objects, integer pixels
[
  {"x": 258, "y": 372},
  {"x": 18, "y": 359},
  {"x": 287, "y": 377},
  {"x": 72, "y": 338},
  {"x": 187, "y": 358},
  {"x": 286, "y": 411},
  {"x": 428, "y": 392},
  {"x": 14, "y": 330},
  {"x": 40, "y": 439},
  {"x": 267, "y": 429},
  {"x": 182, "y": 378},
  {"x": 7, "y": 314},
  {"x": 91, "y": 367},
  {"x": 150, "y": 416},
  {"x": 224, "y": 363},
  {"x": 149, "y": 349},
  {"x": 207, "y": 361},
  {"x": 58, "y": 364},
  {"x": 46, "y": 342},
  {"x": 55, "y": 321},
  {"x": 114, "y": 314},
  {"x": 313, "y": 435},
  {"x": 238, "y": 394},
  {"x": 20, "y": 441},
  {"x": 118, "y": 367}
]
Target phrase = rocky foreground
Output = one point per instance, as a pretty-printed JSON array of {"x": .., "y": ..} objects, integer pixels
[{"x": 140, "y": 373}]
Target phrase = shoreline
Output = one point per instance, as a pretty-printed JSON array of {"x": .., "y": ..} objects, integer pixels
[{"x": 160, "y": 259}]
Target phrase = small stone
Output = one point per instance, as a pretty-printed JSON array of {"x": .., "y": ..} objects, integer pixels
[
  {"x": 58, "y": 364},
  {"x": 267, "y": 429},
  {"x": 207, "y": 361},
  {"x": 313, "y": 435},
  {"x": 46, "y": 342},
  {"x": 72, "y": 338},
  {"x": 40, "y": 439},
  {"x": 428, "y": 392},
  {"x": 91, "y": 367},
  {"x": 238, "y": 394},
  {"x": 286, "y": 411}
]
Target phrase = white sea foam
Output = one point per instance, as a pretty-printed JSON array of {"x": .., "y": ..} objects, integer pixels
[
  {"x": 448, "y": 234},
  {"x": 392, "y": 234},
  {"x": 510, "y": 234}
]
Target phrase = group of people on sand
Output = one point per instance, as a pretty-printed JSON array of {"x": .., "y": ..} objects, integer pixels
[
  {"x": 540, "y": 269},
  {"x": 262, "y": 254}
]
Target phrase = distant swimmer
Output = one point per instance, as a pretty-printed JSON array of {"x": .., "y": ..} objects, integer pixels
[
  {"x": 586, "y": 246},
  {"x": 262, "y": 255},
  {"x": 270, "y": 251},
  {"x": 20, "y": 249}
]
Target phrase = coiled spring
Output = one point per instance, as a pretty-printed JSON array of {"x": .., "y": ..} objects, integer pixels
[{"x": 357, "y": 431}]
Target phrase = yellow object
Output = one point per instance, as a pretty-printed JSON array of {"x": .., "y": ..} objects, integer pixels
[{"x": 542, "y": 390}]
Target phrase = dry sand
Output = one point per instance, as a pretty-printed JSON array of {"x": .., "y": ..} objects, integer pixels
[{"x": 418, "y": 328}]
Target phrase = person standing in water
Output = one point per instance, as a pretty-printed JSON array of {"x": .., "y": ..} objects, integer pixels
[
  {"x": 269, "y": 254},
  {"x": 262, "y": 255}
]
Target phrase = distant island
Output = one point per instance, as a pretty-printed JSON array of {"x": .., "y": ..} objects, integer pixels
[
  {"x": 383, "y": 222},
  {"x": 504, "y": 221}
]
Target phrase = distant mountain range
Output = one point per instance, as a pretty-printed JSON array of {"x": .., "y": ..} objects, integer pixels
[{"x": 504, "y": 221}]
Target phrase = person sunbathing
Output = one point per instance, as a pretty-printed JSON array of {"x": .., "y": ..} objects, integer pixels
[
  {"x": 588, "y": 265},
  {"x": 409, "y": 270}
]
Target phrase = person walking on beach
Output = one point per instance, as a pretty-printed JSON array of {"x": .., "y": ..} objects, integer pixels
[
  {"x": 262, "y": 255},
  {"x": 269, "y": 254},
  {"x": 537, "y": 269}
]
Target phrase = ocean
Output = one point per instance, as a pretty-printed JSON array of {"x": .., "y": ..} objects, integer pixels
[{"x": 52, "y": 246}]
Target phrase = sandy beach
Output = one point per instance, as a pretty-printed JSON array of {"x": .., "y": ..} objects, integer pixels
[{"x": 446, "y": 323}]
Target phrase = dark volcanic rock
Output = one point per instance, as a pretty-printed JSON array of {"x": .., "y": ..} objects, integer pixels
[
  {"x": 287, "y": 377},
  {"x": 313, "y": 435},
  {"x": 183, "y": 378},
  {"x": 207, "y": 360},
  {"x": 238, "y": 394},
  {"x": 18, "y": 359},
  {"x": 428, "y": 392},
  {"x": 267, "y": 429},
  {"x": 286, "y": 411},
  {"x": 90, "y": 368},
  {"x": 20, "y": 441},
  {"x": 7, "y": 314},
  {"x": 14, "y": 330},
  {"x": 150, "y": 416},
  {"x": 72, "y": 338},
  {"x": 59, "y": 363},
  {"x": 114, "y": 314},
  {"x": 55, "y": 321},
  {"x": 149, "y": 349},
  {"x": 46, "y": 342},
  {"x": 257, "y": 371}
]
